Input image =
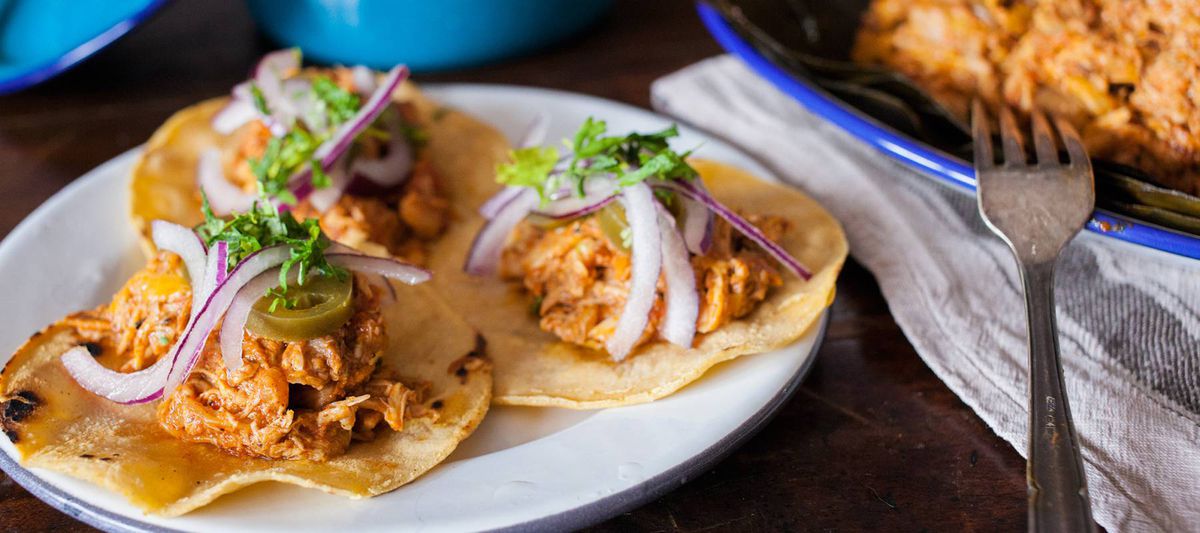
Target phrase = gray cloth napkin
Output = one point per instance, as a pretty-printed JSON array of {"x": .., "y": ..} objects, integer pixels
[{"x": 1129, "y": 319}]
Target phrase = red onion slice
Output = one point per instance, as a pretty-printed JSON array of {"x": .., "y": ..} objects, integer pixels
[
  {"x": 565, "y": 204},
  {"x": 148, "y": 384},
  {"x": 327, "y": 197},
  {"x": 646, "y": 259},
  {"x": 187, "y": 245},
  {"x": 214, "y": 271},
  {"x": 364, "y": 80},
  {"x": 339, "y": 248},
  {"x": 122, "y": 387},
  {"x": 574, "y": 208},
  {"x": 489, "y": 242},
  {"x": 169, "y": 371},
  {"x": 683, "y": 302},
  {"x": 383, "y": 266},
  {"x": 187, "y": 350},
  {"x": 340, "y": 141},
  {"x": 499, "y": 200},
  {"x": 535, "y": 132},
  {"x": 223, "y": 196},
  {"x": 697, "y": 225},
  {"x": 396, "y": 165},
  {"x": 742, "y": 225},
  {"x": 278, "y": 63},
  {"x": 268, "y": 77},
  {"x": 234, "y": 115},
  {"x": 234, "y": 326}
]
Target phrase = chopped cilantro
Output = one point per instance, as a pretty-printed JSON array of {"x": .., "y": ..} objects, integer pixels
[
  {"x": 263, "y": 226},
  {"x": 530, "y": 167},
  {"x": 629, "y": 159},
  {"x": 340, "y": 104},
  {"x": 320, "y": 179},
  {"x": 286, "y": 155},
  {"x": 260, "y": 101}
]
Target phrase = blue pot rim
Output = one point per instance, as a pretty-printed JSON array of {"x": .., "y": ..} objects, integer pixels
[
  {"x": 917, "y": 155},
  {"x": 87, "y": 49}
]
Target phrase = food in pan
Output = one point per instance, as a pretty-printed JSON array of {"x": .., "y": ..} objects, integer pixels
[
  {"x": 362, "y": 152},
  {"x": 621, "y": 270},
  {"x": 252, "y": 348},
  {"x": 1124, "y": 73}
]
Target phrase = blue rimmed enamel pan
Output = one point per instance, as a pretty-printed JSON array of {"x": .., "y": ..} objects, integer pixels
[
  {"x": 40, "y": 39},
  {"x": 918, "y": 155}
]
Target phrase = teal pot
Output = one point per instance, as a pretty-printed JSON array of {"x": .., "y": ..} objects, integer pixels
[{"x": 424, "y": 34}]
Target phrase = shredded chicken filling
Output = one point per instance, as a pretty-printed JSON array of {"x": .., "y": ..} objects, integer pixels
[
  {"x": 396, "y": 222},
  {"x": 1126, "y": 73},
  {"x": 580, "y": 279},
  {"x": 290, "y": 400}
]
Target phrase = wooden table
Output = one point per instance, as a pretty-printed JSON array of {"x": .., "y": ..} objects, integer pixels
[{"x": 872, "y": 440}]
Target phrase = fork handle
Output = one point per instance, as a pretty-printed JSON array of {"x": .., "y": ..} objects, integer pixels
[{"x": 1058, "y": 497}]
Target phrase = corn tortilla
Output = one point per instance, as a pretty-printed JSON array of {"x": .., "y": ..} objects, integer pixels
[
  {"x": 163, "y": 182},
  {"x": 62, "y": 427},
  {"x": 534, "y": 368}
]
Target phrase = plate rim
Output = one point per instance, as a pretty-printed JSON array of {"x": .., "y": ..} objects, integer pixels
[
  {"x": 581, "y": 516},
  {"x": 927, "y": 160},
  {"x": 678, "y": 475}
]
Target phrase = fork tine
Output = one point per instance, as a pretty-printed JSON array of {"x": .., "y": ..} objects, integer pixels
[
  {"x": 982, "y": 134},
  {"x": 1043, "y": 140},
  {"x": 1010, "y": 137},
  {"x": 1075, "y": 150}
]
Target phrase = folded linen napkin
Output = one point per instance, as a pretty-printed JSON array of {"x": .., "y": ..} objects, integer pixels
[{"x": 1129, "y": 318}]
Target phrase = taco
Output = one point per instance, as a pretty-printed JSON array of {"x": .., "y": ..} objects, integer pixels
[
  {"x": 622, "y": 271},
  {"x": 363, "y": 152},
  {"x": 250, "y": 349}
]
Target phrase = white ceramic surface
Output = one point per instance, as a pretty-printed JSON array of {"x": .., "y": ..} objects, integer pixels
[{"x": 528, "y": 467}]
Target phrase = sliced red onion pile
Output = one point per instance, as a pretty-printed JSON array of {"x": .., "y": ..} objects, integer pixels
[
  {"x": 660, "y": 246},
  {"x": 343, "y": 137},
  {"x": 292, "y": 99},
  {"x": 216, "y": 294}
]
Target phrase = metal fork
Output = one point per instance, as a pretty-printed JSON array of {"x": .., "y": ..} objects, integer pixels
[{"x": 1037, "y": 207}]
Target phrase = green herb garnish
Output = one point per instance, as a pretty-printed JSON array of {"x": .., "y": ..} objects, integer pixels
[
  {"x": 286, "y": 155},
  {"x": 629, "y": 159},
  {"x": 260, "y": 101},
  {"x": 264, "y": 226},
  {"x": 530, "y": 167},
  {"x": 339, "y": 104}
]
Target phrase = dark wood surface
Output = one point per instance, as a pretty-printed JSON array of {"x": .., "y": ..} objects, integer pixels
[{"x": 871, "y": 441}]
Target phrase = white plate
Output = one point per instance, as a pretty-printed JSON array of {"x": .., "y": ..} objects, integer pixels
[{"x": 530, "y": 467}]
